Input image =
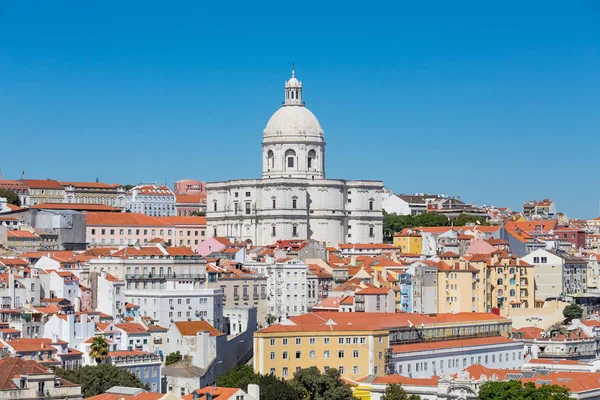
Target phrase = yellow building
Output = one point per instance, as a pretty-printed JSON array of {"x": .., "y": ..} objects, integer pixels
[
  {"x": 409, "y": 242},
  {"x": 355, "y": 351},
  {"x": 359, "y": 344},
  {"x": 44, "y": 191},
  {"x": 511, "y": 284},
  {"x": 461, "y": 288}
]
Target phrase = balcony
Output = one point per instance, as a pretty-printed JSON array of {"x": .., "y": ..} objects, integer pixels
[
  {"x": 236, "y": 297},
  {"x": 245, "y": 297},
  {"x": 157, "y": 340},
  {"x": 164, "y": 276},
  {"x": 571, "y": 356}
]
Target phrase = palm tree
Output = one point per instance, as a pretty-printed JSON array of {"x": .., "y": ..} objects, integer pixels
[{"x": 98, "y": 349}]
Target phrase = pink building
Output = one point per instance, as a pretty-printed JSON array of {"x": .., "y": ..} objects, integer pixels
[
  {"x": 190, "y": 186},
  {"x": 123, "y": 229},
  {"x": 213, "y": 244}
]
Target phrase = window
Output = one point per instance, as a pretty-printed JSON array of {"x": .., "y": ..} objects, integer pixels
[
  {"x": 312, "y": 340},
  {"x": 536, "y": 260},
  {"x": 290, "y": 156},
  {"x": 247, "y": 194},
  {"x": 285, "y": 371},
  {"x": 272, "y": 342},
  {"x": 298, "y": 354},
  {"x": 355, "y": 369},
  {"x": 298, "y": 341},
  {"x": 284, "y": 342},
  {"x": 326, "y": 340},
  {"x": 273, "y": 231},
  {"x": 371, "y": 202},
  {"x": 284, "y": 355},
  {"x": 274, "y": 204},
  {"x": 272, "y": 355},
  {"x": 544, "y": 260},
  {"x": 311, "y": 156},
  {"x": 215, "y": 206},
  {"x": 341, "y": 369},
  {"x": 341, "y": 354},
  {"x": 294, "y": 231},
  {"x": 247, "y": 209},
  {"x": 311, "y": 354},
  {"x": 371, "y": 231},
  {"x": 355, "y": 353},
  {"x": 294, "y": 203}
]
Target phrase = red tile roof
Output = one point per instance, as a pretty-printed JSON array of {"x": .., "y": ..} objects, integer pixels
[
  {"x": 123, "y": 219},
  {"x": 132, "y": 327},
  {"x": 217, "y": 393},
  {"x": 42, "y": 184},
  {"x": 189, "y": 328}
]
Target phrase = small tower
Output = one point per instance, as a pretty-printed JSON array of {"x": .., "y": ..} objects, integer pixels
[{"x": 293, "y": 91}]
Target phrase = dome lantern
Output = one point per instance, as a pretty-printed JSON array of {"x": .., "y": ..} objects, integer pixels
[{"x": 293, "y": 91}]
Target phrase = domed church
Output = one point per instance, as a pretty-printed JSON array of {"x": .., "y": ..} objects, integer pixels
[{"x": 293, "y": 200}]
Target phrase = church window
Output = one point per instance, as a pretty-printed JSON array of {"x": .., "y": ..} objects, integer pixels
[
  {"x": 273, "y": 231},
  {"x": 215, "y": 206},
  {"x": 247, "y": 194},
  {"x": 236, "y": 206},
  {"x": 311, "y": 156},
  {"x": 270, "y": 159},
  {"x": 371, "y": 231},
  {"x": 290, "y": 156},
  {"x": 294, "y": 231},
  {"x": 294, "y": 203},
  {"x": 274, "y": 204},
  {"x": 371, "y": 204},
  {"x": 247, "y": 208}
]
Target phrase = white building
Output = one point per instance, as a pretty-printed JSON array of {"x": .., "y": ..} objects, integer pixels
[
  {"x": 436, "y": 358},
  {"x": 288, "y": 283},
  {"x": 557, "y": 273},
  {"x": 152, "y": 200},
  {"x": 293, "y": 200},
  {"x": 179, "y": 300},
  {"x": 110, "y": 294}
]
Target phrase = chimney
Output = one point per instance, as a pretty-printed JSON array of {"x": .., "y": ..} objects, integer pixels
[{"x": 254, "y": 391}]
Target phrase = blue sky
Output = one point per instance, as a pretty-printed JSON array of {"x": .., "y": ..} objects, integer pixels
[{"x": 496, "y": 103}]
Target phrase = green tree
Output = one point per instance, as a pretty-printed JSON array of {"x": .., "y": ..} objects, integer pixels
[
  {"x": 11, "y": 197},
  {"x": 239, "y": 376},
  {"x": 128, "y": 187},
  {"x": 572, "y": 311},
  {"x": 198, "y": 214},
  {"x": 98, "y": 379},
  {"x": 465, "y": 219},
  {"x": 172, "y": 358},
  {"x": 514, "y": 390},
  {"x": 393, "y": 223},
  {"x": 271, "y": 387},
  {"x": 312, "y": 385},
  {"x": 431, "y": 219},
  {"x": 396, "y": 392},
  {"x": 98, "y": 349}
]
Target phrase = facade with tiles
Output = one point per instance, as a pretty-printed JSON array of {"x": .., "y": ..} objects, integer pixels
[{"x": 293, "y": 200}]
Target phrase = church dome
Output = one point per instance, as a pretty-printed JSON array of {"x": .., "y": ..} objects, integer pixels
[
  {"x": 293, "y": 82},
  {"x": 293, "y": 120}
]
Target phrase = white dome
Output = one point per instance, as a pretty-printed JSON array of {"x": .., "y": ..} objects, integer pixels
[
  {"x": 292, "y": 120},
  {"x": 293, "y": 82}
]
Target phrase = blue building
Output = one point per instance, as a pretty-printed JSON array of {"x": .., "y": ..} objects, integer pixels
[
  {"x": 418, "y": 288},
  {"x": 144, "y": 365}
]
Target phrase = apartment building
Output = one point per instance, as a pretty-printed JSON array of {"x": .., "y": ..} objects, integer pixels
[
  {"x": 94, "y": 193},
  {"x": 44, "y": 191},
  {"x": 152, "y": 200},
  {"x": 288, "y": 284},
  {"x": 360, "y": 344},
  {"x": 119, "y": 229},
  {"x": 557, "y": 274},
  {"x": 241, "y": 286}
]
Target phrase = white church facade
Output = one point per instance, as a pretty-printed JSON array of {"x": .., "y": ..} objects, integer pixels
[{"x": 293, "y": 200}]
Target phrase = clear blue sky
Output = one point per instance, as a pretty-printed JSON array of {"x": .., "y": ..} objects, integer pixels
[{"x": 498, "y": 104}]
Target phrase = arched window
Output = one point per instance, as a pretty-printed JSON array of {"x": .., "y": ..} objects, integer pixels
[
  {"x": 513, "y": 292},
  {"x": 270, "y": 159},
  {"x": 513, "y": 281},
  {"x": 499, "y": 271},
  {"x": 371, "y": 204},
  {"x": 312, "y": 155},
  {"x": 290, "y": 157},
  {"x": 500, "y": 281},
  {"x": 511, "y": 271}
]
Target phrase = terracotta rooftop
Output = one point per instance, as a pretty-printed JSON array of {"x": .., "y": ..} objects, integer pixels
[{"x": 189, "y": 328}]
